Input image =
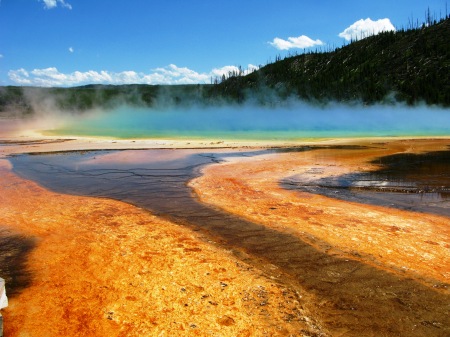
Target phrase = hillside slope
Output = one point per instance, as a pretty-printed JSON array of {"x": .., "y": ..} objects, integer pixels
[{"x": 410, "y": 66}]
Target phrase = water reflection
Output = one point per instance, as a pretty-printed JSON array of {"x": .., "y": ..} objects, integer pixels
[
  {"x": 417, "y": 182},
  {"x": 425, "y": 172}
]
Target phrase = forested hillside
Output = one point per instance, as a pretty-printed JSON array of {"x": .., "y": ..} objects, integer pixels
[{"x": 408, "y": 65}]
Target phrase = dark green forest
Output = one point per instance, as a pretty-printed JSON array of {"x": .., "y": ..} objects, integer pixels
[{"x": 410, "y": 66}]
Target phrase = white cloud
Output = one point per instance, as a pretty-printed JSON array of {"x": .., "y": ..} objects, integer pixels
[
  {"x": 302, "y": 41},
  {"x": 175, "y": 75},
  {"x": 71, "y": 50},
  {"x": 171, "y": 74},
  {"x": 226, "y": 70},
  {"x": 251, "y": 68},
  {"x": 49, "y": 4},
  {"x": 20, "y": 76},
  {"x": 364, "y": 28}
]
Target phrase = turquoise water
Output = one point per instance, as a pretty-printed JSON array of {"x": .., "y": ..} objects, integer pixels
[{"x": 295, "y": 121}]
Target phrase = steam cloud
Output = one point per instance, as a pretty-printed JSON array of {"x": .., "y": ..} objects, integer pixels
[
  {"x": 295, "y": 120},
  {"x": 283, "y": 120}
]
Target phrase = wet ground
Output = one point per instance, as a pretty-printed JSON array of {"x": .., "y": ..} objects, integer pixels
[
  {"x": 415, "y": 182},
  {"x": 409, "y": 181},
  {"x": 357, "y": 298},
  {"x": 14, "y": 250}
]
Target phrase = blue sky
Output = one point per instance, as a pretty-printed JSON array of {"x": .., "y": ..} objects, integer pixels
[{"x": 76, "y": 42}]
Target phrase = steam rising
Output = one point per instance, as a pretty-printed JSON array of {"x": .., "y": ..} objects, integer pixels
[
  {"x": 257, "y": 120},
  {"x": 291, "y": 121}
]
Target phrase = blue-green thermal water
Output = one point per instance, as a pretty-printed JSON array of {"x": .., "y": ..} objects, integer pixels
[{"x": 296, "y": 121}]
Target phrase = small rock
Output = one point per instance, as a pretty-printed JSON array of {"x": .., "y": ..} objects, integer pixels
[{"x": 226, "y": 321}]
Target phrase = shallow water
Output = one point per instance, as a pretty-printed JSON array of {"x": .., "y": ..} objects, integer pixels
[
  {"x": 414, "y": 182},
  {"x": 406, "y": 181},
  {"x": 353, "y": 296}
]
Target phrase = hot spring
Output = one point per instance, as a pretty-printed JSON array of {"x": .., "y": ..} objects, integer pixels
[{"x": 289, "y": 122}]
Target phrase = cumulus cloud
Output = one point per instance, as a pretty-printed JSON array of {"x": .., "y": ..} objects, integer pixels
[
  {"x": 71, "y": 50},
  {"x": 302, "y": 41},
  {"x": 226, "y": 70},
  {"x": 171, "y": 74},
  {"x": 20, "y": 76},
  {"x": 364, "y": 28},
  {"x": 49, "y": 4}
]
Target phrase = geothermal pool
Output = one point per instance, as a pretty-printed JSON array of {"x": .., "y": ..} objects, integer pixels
[{"x": 287, "y": 122}]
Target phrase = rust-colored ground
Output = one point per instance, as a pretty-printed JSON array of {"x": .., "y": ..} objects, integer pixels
[
  {"x": 105, "y": 268},
  {"x": 398, "y": 282},
  {"x": 417, "y": 244}
]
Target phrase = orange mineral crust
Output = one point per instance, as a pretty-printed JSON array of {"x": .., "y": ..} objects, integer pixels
[
  {"x": 104, "y": 268},
  {"x": 413, "y": 244}
]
